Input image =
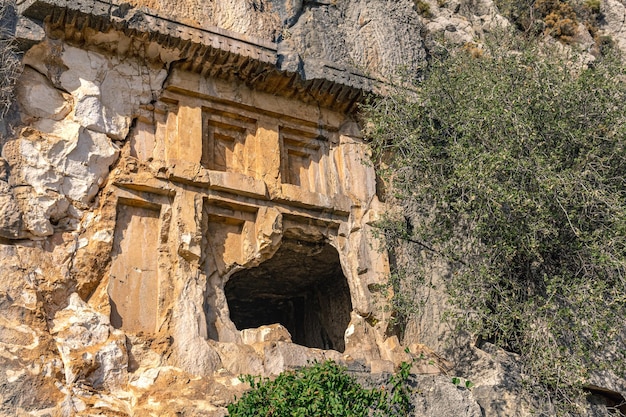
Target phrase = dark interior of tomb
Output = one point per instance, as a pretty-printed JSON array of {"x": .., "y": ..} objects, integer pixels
[{"x": 301, "y": 287}]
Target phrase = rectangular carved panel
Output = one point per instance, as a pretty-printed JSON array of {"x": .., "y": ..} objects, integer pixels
[
  {"x": 227, "y": 233},
  {"x": 134, "y": 285},
  {"x": 224, "y": 140},
  {"x": 301, "y": 154}
]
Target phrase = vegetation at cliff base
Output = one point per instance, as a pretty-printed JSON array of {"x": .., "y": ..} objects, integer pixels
[
  {"x": 510, "y": 166},
  {"x": 322, "y": 389}
]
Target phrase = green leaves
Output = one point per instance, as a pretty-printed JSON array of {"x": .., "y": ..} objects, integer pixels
[
  {"x": 457, "y": 381},
  {"x": 512, "y": 167},
  {"x": 322, "y": 389}
]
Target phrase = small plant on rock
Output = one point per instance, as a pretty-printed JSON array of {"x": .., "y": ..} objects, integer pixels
[{"x": 423, "y": 9}]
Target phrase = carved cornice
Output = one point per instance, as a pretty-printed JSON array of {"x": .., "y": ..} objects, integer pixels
[{"x": 212, "y": 52}]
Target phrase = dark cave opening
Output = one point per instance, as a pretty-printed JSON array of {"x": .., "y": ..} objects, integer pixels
[{"x": 301, "y": 287}]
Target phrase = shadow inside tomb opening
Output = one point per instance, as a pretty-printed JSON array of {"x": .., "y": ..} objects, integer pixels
[{"x": 301, "y": 287}]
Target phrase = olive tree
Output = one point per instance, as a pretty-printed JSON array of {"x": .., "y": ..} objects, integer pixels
[{"x": 513, "y": 161}]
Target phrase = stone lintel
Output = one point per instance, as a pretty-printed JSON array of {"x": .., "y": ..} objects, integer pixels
[
  {"x": 155, "y": 187},
  {"x": 293, "y": 198},
  {"x": 212, "y": 52},
  {"x": 296, "y": 196},
  {"x": 232, "y": 182},
  {"x": 320, "y": 216},
  {"x": 181, "y": 88},
  {"x": 242, "y": 184},
  {"x": 235, "y": 188}
]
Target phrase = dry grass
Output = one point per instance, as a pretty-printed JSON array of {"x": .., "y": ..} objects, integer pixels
[{"x": 10, "y": 65}]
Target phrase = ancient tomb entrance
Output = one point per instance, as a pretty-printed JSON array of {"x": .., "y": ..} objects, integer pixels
[{"x": 301, "y": 287}]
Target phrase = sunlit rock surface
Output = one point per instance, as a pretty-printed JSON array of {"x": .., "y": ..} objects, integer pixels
[{"x": 185, "y": 197}]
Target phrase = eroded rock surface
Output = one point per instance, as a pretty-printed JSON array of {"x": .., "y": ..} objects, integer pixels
[
  {"x": 166, "y": 229},
  {"x": 181, "y": 204}
]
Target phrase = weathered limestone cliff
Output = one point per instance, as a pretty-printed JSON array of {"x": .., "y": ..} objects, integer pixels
[
  {"x": 185, "y": 197},
  {"x": 177, "y": 211}
]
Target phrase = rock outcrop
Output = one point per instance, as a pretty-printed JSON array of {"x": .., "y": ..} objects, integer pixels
[
  {"x": 185, "y": 197},
  {"x": 178, "y": 210}
]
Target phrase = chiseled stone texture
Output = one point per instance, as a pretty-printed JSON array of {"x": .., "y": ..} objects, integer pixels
[
  {"x": 373, "y": 36},
  {"x": 131, "y": 193},
  {"x": 163, "y": 231}
]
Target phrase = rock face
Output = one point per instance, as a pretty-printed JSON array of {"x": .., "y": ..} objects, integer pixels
[
  {"x": 177, "y": 211},
  {"x": 373, "y": 36},
  {"x": 614, "y": 13},
  {"x": 181, "y": 203}
]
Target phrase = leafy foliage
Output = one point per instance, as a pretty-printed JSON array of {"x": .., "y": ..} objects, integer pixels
[
  {"x": 323, "y": 389},
  {"x": 512, "y": 167}
]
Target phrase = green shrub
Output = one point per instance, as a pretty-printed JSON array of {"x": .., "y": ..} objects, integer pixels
[
  {"x": 512, "y": 168},
  {"x": 322, "y": 389},
  {"x": 519, "y": 12}
]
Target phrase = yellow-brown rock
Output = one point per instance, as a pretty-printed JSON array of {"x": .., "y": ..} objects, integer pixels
[
  {"x": 177, "y": 211},
  {"x": 185, "y": 197}
]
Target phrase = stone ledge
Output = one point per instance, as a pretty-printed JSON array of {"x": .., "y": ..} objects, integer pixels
[
  {"x": 235, "y": 183},
  {"x": 296, "y": 196},
  {"x": 185, "y": 172},
  {"x": 238, "y": 183},
  {"x": 211, "y": 51},
  {"x": 111, "y": 14},
  {"x": 152, "y": 187}
]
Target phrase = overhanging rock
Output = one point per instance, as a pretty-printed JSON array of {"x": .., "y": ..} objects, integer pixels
[{"x": 213, "y": 52}]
